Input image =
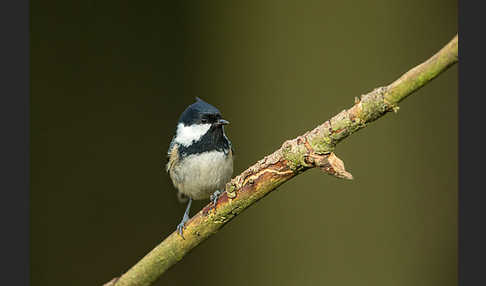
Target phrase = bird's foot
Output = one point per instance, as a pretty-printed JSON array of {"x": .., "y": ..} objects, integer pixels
[
  {"x": 215, "y": 196},
  {"x": 181, "y": 226}
]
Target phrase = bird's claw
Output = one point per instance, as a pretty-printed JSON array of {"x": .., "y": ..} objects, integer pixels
[
  {"x": 180, "y": 229},
  {"x": 214, "y": 197},
  {"x": 181, "y": 226}
]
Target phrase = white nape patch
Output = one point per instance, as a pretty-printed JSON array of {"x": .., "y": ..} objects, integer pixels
[{"x": 186, "y": 135}]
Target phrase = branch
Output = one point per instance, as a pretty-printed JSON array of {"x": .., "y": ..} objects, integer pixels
[{"x": 312, "y": 149}]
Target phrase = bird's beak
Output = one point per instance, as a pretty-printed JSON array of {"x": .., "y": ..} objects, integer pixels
[{"x": 222, "y": 122}]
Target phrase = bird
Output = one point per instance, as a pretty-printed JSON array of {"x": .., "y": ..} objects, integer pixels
[{"x": 200, "y": 156}]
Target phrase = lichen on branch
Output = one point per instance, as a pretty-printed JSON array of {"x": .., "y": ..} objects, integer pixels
[{"x": 315, "y": 148}]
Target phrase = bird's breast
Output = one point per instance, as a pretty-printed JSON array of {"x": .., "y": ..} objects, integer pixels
[{"x": 199, "y": 175}]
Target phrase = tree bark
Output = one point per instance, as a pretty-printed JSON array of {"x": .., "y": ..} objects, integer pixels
[{"x": 312, "y": 149}]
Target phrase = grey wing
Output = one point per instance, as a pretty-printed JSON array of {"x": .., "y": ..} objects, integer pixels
[
  {"x": 172, "y": 155},
  {"x": 229, "y": 142},
  {"x": 171, "y": 146},
  {"x": 232, "y": 148},
  {"x": 172, "y": 159}
]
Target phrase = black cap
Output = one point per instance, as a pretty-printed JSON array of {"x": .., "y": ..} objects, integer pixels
[{"x": 194, "y": 112}]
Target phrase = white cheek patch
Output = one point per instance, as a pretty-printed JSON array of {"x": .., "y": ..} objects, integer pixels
[{"x": 186, "y": 135}]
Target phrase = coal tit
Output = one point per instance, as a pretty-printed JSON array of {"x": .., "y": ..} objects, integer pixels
[{"x": 200, "y": 156}]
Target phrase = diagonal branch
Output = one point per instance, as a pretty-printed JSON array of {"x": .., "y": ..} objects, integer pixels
[{"x": 312, "y": 149}]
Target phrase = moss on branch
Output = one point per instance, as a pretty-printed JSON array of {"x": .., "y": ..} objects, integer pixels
[{"x": 312, "y": 149}]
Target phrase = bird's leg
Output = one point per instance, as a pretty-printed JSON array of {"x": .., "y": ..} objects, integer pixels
[
  {"x": 215, "y": 196},
  {"x": 185, "y": 218}
]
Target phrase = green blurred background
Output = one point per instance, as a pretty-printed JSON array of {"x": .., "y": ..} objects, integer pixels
[{"x": 110, "y": 78}]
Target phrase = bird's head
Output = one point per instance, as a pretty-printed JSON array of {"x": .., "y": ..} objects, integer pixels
[{"x": 198, "y": 119}]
